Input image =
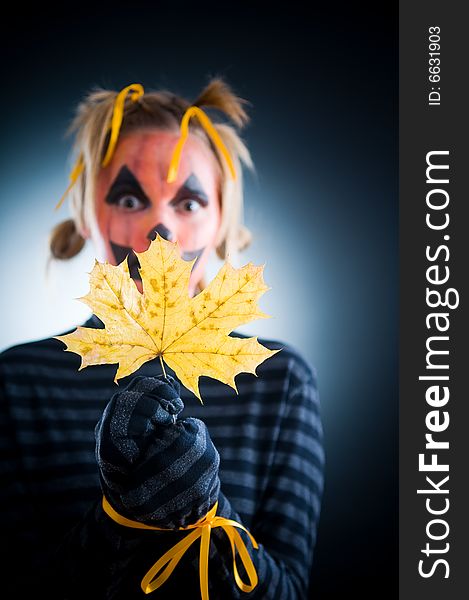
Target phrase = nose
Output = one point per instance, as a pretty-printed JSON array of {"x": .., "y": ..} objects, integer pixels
[{"x": 163, "y": 231}]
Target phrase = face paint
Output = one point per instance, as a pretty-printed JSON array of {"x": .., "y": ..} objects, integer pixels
[
  {"x": 191, "y": 255},
  {"x": 124, "y": 187},
  {"x": 191, "y": 187},
  {"x": 132, "y": 194},
  {"x": 123, "y": 252},
  {"x": 163, "y": 231}
]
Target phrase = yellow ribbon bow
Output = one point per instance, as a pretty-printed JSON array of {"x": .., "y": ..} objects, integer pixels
[
  {"x": 194, "y": 111},
  {"x": 202, "y": 528}
]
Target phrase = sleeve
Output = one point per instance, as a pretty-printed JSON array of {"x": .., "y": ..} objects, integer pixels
[
  {"x": 28, "y": 550},
  {"x": 100, "y": 559},
  {"x": 285, "y": 525},
  {"x": 285, "y": 528},
  {"x": 18, "y": 523}
]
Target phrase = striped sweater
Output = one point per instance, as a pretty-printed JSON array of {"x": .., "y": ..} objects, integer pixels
[{"x": 54, "y": 532}]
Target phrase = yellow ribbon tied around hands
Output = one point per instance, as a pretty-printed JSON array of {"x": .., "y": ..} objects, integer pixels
[
  {"x": 136, "y": 91},
  {"x": 202, "y": 529}
]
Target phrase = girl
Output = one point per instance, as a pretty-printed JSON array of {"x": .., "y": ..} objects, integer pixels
[{"x": 161, "y": 458}]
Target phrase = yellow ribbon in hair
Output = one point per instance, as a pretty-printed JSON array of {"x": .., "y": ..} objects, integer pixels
[
  {"x": 194, "y": 111},
  {"x": 136, "y": 90},
  {"x": 202, "y": 529},
  {"x": 117, "y": 116},
  {"x": 76, "y": 172}
]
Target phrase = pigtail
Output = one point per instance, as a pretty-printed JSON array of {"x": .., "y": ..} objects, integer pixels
[
  {"x": 65, "y": 241},
  {"x": 218, "y": 94}
]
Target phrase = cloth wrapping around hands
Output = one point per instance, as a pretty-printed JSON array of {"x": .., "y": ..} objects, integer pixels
[{"x": 155, "y": 467}]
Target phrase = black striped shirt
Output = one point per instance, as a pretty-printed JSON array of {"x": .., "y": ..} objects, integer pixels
[{"x": 269, "y": 438}]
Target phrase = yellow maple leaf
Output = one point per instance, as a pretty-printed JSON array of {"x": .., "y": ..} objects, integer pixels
[{"x": 189, "y": 334}]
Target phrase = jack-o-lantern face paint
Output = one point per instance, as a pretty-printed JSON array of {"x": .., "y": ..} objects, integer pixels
[{"x": 134, "y": 202}]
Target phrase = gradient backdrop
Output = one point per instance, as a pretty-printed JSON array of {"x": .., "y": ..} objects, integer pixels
[{"x": 323, "y": 209}]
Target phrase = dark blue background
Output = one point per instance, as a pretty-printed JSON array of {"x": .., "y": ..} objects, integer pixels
[{"x": 323, "y": 88}]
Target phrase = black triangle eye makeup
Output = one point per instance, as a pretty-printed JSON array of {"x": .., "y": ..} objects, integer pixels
[
  {"x": 193, "y": 188},
  {"x": 126, "y": 183}
]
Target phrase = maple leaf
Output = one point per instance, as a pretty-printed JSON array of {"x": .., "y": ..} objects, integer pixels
[{"x": 191, "y": 335}]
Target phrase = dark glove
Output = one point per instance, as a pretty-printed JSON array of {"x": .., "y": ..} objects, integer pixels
[{"x": 155, "y": 467}]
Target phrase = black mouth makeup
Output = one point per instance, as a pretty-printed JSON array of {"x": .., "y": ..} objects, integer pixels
[
  {"x": 192, "y": 255},
  {"x": 123, "y": 252},
  {"x": 163, "y": 231}
]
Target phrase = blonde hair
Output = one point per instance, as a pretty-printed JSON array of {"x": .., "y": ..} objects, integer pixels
[{"x": 161, "y": 110}]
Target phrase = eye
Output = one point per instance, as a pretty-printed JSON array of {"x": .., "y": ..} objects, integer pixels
[
  {"x": 190, "y": 205},
  {"x": 129, "y": 202}
]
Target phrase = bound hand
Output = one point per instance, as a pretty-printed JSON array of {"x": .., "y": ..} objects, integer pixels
[{"x": 154, "y": 466}]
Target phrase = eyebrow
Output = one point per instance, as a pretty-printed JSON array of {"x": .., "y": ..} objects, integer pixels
[
  {"x": 193, "y": 187},
  {"x": 125, "y": 179}
]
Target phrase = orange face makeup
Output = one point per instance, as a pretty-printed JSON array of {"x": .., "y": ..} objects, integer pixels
[{"x": 134, "y": 202}]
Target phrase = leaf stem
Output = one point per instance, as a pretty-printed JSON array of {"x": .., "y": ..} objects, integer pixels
[{"x": 162, "y": 366}]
